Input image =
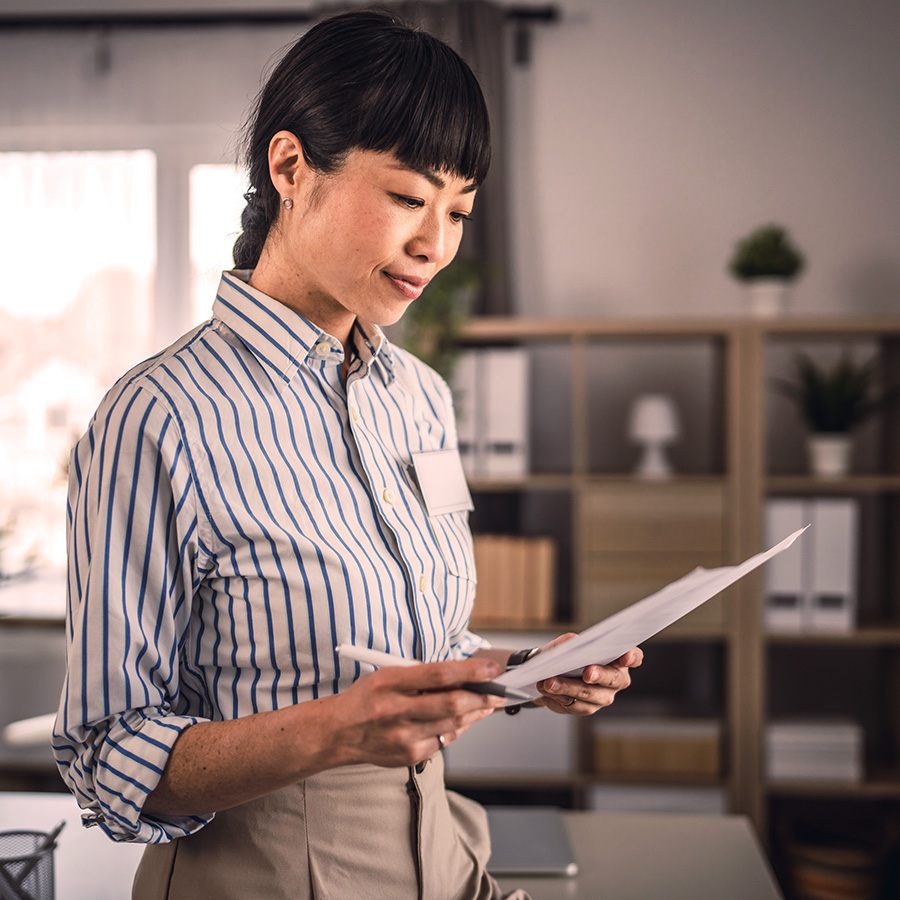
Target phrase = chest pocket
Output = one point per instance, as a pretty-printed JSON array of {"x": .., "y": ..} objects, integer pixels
[{"x": 452, "y": 535}]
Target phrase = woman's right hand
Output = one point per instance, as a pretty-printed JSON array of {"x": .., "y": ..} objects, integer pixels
[
  {"x": 390, "y": 718},
  {"x": 393, "y": 716}
]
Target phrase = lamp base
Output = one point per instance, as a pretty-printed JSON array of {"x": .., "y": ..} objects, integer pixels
[{"x": 654, "y": 464}]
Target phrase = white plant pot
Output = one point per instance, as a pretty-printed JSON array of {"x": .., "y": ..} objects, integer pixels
[
  {"x": 829, "y": 455},
  {"x": 767, "y": 298}
]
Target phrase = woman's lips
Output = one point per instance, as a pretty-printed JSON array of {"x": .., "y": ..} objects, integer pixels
[{"x": 408, "y": 285}]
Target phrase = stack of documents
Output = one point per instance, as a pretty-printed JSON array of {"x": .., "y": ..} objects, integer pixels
[
  {"x": 823, "y": 749},
  {"x": 659, "y": 798}
]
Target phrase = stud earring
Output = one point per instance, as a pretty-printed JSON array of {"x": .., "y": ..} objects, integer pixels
[{"x": 287, "y": 203}]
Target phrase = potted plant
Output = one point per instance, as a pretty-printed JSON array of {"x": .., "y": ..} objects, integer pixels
[
  {"x": 431, "y": 326},
  {"x": 766, "y": 261},
  {"x": 833, "y": 402}
]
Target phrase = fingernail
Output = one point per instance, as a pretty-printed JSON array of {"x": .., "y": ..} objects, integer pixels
[
  {"x": 551, "y": 685},
  {"x": 492, "y": 668}
]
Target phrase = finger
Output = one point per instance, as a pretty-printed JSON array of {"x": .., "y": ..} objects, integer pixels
[
  {"x": 559, "y": 640},
  {"x": 440, "y": 734},
  {"x": 449, "y": 706},
  {"x": 453, "y": 728},
  {"x": 441, "y": 675},
  {"x": 566, "y": 705},
  {"x": 631, "y": 659},
  {"x": 614, "y": 678},
  {"x": 565, "y": 689}
]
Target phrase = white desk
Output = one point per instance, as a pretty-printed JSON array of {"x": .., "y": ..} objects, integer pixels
[
  {"x": 623, "y": 856},
  {"x": 642, "y": 856}
]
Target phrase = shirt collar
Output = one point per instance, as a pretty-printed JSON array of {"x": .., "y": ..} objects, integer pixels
[{"x": 283, "y": 339}]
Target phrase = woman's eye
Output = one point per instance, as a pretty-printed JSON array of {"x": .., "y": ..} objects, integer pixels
[
  {"x": 410, "y": 202},
  {"x": 460, "y": 217}
]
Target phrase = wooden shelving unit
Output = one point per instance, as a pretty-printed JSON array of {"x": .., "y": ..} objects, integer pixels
[{"x": 748, "y": 471}]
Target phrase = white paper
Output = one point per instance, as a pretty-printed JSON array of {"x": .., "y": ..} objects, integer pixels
[{"x": 608, "y": 640}]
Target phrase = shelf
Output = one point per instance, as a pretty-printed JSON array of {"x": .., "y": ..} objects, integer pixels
[
  {"x": 833, "y": 328},
  {"x": 514, "y": 328},
  {"x": 538, "y": 782},
  {"x": 731, "y": 359},
  {"x": 535, "y": 482},
  {"x": 549, "y": 481},
  {"x": 875, "y": 788},
  {"x": 861, "y": 637},
  {"x": 852, "y": 484},
  {"x": 655, "y": 779}
]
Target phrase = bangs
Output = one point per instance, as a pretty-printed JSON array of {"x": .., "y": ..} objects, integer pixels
[{"x": 428, "y": 110}]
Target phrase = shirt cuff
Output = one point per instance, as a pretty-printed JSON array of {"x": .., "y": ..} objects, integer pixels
[{"x": 129, "y": 765}]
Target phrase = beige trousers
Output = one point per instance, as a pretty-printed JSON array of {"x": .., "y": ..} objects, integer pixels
[{"x": 355, "y": 832}]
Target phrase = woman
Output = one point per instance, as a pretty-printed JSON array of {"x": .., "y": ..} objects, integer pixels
[{"x": 248, "y": 500}]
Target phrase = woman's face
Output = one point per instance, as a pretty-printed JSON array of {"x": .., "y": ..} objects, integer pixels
[{"x": 363, "y": 241}]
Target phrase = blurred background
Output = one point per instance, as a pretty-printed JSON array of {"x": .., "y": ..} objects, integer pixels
[{"x": 637, "y": 144}]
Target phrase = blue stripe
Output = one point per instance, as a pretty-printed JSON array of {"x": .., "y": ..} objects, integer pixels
[{"x": 228, "y": 527}]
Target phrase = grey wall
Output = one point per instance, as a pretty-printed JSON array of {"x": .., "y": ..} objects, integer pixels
[
  {"x": 647, "y": 137},
  {"x": 652, "y": 135}
]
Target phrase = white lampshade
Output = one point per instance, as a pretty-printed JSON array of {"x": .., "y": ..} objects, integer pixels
[{"x": 653, "y": 423}]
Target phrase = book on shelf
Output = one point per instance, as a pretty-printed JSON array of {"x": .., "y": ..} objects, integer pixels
[
  {"x": 657, "y": 745},
  {"x": 812, "y": 586},
  {"x": 516, "y": 580}
]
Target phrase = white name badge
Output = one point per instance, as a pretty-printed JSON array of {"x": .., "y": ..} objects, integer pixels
[{"x": 442, "y": 482}]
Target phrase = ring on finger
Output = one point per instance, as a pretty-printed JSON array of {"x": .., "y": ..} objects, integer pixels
[
  {"x": 570, "y": 703},
  {"x": 441, "y": 742}
]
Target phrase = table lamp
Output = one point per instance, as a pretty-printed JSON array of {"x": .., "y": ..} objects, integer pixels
[{"x": 653, "y": 423}]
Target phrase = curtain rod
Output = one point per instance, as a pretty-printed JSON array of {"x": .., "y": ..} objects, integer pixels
[{"x": 519, "y": 15}]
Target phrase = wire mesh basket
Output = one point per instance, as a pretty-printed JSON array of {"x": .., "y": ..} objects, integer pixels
[{"x": 26, "y": 865}]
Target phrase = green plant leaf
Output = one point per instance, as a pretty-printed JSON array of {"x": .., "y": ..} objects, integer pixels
[{"x": 835, "y": 399}]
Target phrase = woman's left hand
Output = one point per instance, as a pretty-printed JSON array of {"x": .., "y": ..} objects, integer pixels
[{"x": 596, "y": 688}]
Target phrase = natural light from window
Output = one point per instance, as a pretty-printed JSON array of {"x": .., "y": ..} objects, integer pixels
[
  {"x": 79, "y": 235},
  {"x": 217, "y": 201}
]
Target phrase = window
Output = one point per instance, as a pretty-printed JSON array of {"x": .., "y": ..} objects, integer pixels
[
  {"x": 79, "y": 232},
  {"x": 217, "y": 201}
]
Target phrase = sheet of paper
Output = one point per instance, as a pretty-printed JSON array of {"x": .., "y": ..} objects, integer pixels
[{"x": 609, "y": 639}]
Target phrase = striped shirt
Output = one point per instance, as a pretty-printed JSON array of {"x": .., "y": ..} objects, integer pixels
[{"x": 236, "y": 511}]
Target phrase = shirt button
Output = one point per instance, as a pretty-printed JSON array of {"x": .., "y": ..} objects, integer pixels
[
  {"x": 388, "y": 496},
  {"x": 422, "y": 583},
  {"x": 323, "y": 348},
  {"x": 354, "y": 413}
]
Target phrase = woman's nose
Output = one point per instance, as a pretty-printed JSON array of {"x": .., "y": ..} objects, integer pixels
[{"x": 431, "y": 241}]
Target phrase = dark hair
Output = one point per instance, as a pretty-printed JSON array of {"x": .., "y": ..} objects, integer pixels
[{"x": 363, "y": 81}]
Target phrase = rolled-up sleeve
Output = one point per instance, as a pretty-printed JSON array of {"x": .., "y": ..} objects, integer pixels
[{"x": 135, "y": 555}]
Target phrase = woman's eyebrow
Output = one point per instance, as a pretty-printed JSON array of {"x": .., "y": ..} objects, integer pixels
[{"x": 433, "y": 177}]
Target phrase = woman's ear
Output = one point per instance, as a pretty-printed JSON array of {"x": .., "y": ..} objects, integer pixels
[{"x": 288, "y": 169}]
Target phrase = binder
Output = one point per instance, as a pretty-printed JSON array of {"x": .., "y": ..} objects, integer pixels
[
  {"x": 504, "y": 394},
  {"x": 785, "y": 575},
  {"x": 833, "y": 573},
  {"x": 465, "y": 405},
  {"x": 812, "y": 586}
]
